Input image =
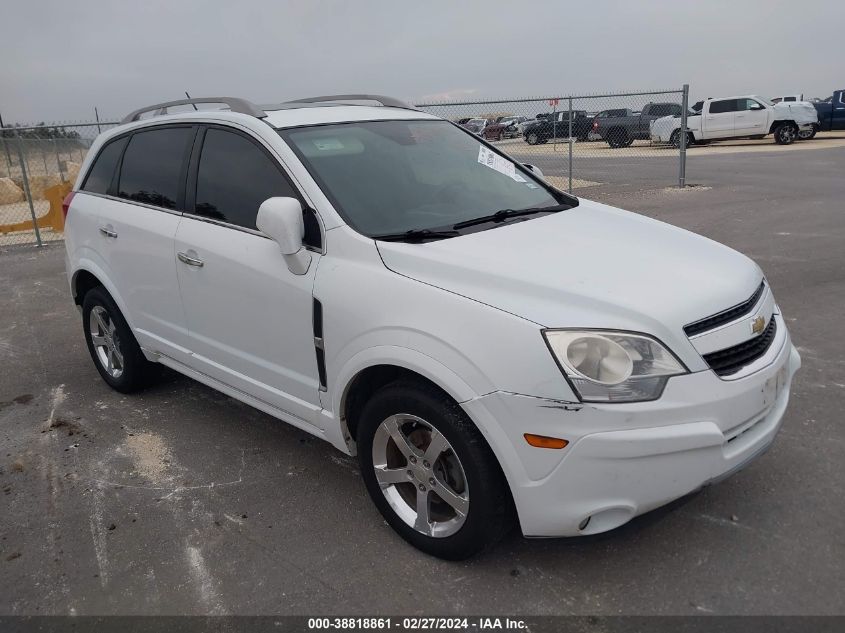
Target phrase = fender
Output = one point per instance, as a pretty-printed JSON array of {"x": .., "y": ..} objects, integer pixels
[
  {"x": 433, "y": 370},
  {"x": 87, "y": 259}
]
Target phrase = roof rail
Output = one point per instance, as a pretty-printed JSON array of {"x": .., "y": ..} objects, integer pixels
[
  {"x": 385, "y": 101},
  {"x": 235, "y": 105}
]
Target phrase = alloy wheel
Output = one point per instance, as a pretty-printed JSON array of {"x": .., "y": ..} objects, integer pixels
[
  {"x": 105, "y": 341},
  {"x": 787, "y": 134},
  {"x": 420, "y": 475}
]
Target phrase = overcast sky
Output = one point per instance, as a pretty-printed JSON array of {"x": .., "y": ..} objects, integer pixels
[{"x": 59, "y": 59}]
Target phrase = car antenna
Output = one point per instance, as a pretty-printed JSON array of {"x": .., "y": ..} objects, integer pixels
[{"x": 196, "y": 109}]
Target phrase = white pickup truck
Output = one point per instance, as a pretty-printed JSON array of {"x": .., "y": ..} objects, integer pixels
[{"x": 747, "y": 116}]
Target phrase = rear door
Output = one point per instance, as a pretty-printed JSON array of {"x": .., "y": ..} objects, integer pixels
[
  {"x": 719, "y": 120},
  {"x": 136, "y": 228},
  {"x": 249, "y": 318},
  {"x": 751, "y": 118}
]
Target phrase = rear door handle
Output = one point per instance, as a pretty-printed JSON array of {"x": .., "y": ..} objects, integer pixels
[
  {"x": 191, "y": 261},
  {"x": 108, "y": 232}
]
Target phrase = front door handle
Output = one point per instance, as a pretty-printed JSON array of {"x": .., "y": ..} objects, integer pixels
[
  {"x": 191, "y": 261},
  {"x": 108, "y": 232}
]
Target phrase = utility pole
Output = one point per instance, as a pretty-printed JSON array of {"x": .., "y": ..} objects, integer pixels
[{"x": 6, "y": 147}]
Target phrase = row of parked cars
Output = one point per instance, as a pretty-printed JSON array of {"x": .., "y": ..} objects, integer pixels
[
  {"x": 747, "y": 116},
  {"x": 752, "y": 116}
]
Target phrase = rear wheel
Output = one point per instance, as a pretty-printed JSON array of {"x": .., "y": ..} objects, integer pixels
[
  {"x": 618, "y": 137},
  {"x": 786, "y": 134},
  {"x": 113, "y": 348},
  {"x": 430, "y": 472}
]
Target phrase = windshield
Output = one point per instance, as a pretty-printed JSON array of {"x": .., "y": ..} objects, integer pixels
[
  {"x": 764, "y": 100},
  {"x": 396, "y": 176}
]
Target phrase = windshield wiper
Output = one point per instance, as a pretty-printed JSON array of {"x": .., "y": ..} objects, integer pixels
[
  {"x": 416, "y": 235},
  {"x": 504, "y": 214}
]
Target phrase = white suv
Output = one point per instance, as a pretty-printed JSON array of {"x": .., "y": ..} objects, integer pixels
[{"x": 490, "y": 347}]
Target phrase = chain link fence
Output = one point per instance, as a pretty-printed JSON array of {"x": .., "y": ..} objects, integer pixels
[
  {"x": 38, "y": 166},
  {"x": 583, "y": 144}
]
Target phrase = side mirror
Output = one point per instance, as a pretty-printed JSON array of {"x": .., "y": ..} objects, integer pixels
[
  {"x": 534, "y": 170},
  {"x": 280, "y": 219}
]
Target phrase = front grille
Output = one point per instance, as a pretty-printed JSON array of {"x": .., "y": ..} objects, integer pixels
[
  {"x": 725, "y": 316},
  {"x": 730, "y": 360}
]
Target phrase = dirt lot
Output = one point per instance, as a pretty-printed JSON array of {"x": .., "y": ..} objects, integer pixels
[{"x": 180, "y": 500}]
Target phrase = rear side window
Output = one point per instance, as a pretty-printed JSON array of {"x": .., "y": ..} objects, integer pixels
[
  {"x": 235, "y": 176},
  {"x": 152, "y": 166},
  {"x": 720, "y": 107},
  {"x": 102, "y": 171}
]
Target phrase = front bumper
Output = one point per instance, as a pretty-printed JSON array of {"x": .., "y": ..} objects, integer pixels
[{"x": 626, "y": 459}]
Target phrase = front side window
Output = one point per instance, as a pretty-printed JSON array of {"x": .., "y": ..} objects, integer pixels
[
  {"x": 102, "y": 171},
  {"x": 235, "y": 176},
  {"x": 152, "y": 166},
  {"x": 389, "y": 177},
  {"x": 749, "y": 104}
]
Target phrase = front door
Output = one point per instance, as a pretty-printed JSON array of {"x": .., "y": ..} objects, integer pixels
[
  {"x": 752, "y": 118},
  {"x": 249, "y": 318},
  {"x": 838, "y": 111}
]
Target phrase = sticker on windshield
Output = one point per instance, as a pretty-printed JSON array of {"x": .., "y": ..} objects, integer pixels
[
  {"x": 327, "y": 144},
  {"x": 501, "y": 164}
]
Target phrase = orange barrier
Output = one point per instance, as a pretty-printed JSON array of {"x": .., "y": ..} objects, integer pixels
[{"x": 54, "y": 218}]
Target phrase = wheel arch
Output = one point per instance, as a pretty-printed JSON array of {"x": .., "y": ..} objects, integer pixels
[
  {"x": 87, "y": 275},
  {"x": 776, "y": 124},
  {"x": 373, "y": 368},
  {"x": 82, "y": 281}
]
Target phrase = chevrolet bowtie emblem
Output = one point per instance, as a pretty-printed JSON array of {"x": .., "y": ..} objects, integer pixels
[{"x": 758, "y": 324}]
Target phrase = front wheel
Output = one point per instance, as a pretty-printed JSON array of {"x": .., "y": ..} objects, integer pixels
[
  {"x": 675, "y": 139},
  {"x": 786, "y": 134},
  {"x": 430, "y": 472}
]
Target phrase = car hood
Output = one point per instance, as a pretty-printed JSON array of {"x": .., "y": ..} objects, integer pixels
[{"x": 591, "y": 266}]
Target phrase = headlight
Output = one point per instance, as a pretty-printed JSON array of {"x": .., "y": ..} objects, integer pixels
[{"x": 613, "y": 366}]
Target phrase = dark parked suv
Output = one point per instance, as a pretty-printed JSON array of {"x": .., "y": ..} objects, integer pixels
[{"x": 557, "y": 126}]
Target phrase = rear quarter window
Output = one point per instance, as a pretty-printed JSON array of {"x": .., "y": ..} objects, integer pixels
[{"x": 100, "y": 176}]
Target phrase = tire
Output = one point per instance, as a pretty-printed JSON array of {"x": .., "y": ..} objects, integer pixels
[
  {"x": 806, "y": 136},
  {"x": 532, "y": 138},
  {"x": 113, "y": 348},
  {"x": 786, "y": 134},
  {"x": 618, "y": 138},
  {"x": 465, "y": 468},
  {"x": 675, "y": 139}
]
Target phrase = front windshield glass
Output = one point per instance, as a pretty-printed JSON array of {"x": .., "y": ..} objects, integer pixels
[
  {"x": 764, "y": 100},
  {"x": 394, "y": 176}
]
